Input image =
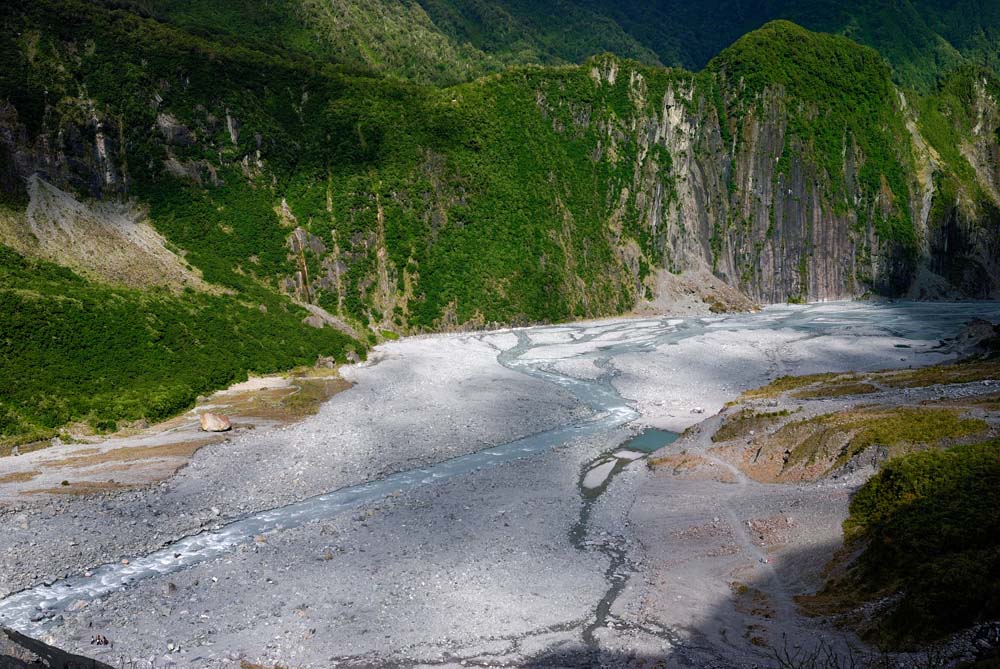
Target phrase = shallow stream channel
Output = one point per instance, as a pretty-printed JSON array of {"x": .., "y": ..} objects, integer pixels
[
  {"x": 34, "y": 610},
  {"x": 594, "y": 481}
]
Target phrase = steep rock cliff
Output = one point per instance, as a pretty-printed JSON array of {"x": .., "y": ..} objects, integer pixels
[{"x": 962, "y": 126}]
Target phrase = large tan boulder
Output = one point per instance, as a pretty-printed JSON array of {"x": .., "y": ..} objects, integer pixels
[{"x": 213, "y": 422}]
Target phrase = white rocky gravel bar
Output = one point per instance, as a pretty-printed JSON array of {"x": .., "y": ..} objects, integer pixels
[{"x": 419, "y": 401}]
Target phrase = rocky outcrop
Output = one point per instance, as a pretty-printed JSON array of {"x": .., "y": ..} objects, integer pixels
[
  {"x": 108, "y": 240},
  {"x": 84, "y": 153},
  {"x": 21, "y": 652},
  {"x": 733, "y": 187},
  {"x": 758, "y": 210},
  {"x": 977, "y": 338}
]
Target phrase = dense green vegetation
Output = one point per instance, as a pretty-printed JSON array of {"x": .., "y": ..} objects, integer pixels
[
  {"x": 457, "y": 177},
  {"x": 923, "y": 39},
  {"x": 835, "y": 438},
  {"x": 932, "y": 533},
  {"x": 481, "y": 205},
  {"x": 75, "y": 351},
  {"x": 447, "y": 41},
  {"x": 430, "y": 41}
]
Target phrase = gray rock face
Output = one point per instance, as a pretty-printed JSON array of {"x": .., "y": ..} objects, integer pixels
[
  {"x": 20, "y": 652},
  {"x": 774, "y": 231},
  {"x": 85, "y": 156},
  {"x": 964, "y": 237},
  {"x": 979, "y": 337}
]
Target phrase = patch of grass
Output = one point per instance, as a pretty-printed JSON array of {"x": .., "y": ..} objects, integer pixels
[
  {"x": 310, "y": 394},
  {"x": 18, "y": 477},
  {"x": 833, "y": 439},
  {"x": 678, "y": 462},
  {"x": 914, "y": 426},
  {"x": 182, "y": 449},
  {"x": 304, "y": 394},
  {"x": 741, "y": 424},
  {"x": 82, "y": 488},
  {"x": 831, "y": 390},
  {"x": 34, "y": 440},
  {"x": 963, "y": 372},
  {"x": 990, "y": 403},
  {"x": 783, "y": 384},
  {"x": 828, "y": 385}
]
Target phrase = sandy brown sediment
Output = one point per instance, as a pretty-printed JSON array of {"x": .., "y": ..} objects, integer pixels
[
  {"x": 692, "y": 467},
  {"x": 81, "y": 488},
  {"x": 18, "y": 477},
  {"x": 94, "y": 457},
  {"x": 159, "y": 451}
]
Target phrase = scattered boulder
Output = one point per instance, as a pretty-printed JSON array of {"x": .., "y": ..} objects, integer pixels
[
  {"x": 21, "y": 652},
  {"x": 977, "y": 338},
  {"x": 213, "y": 422}
]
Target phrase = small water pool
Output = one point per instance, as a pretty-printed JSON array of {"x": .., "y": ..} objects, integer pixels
[
  {"x": 595, "y": 476},
  {"x": 650, "y": 440}
]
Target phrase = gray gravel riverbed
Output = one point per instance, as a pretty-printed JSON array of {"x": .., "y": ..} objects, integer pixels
[{"x": 480, "y": 568}]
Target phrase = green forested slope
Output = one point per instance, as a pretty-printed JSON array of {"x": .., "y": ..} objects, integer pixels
[
  {"x": 931, "y": 539},
  {"x": 923, "y": 39},
  {"x": 74, "y": 351},
  {"x": 810, "y": 69}
]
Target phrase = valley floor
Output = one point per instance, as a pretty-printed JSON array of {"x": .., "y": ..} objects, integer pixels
[{"x": 488, "y": 561}]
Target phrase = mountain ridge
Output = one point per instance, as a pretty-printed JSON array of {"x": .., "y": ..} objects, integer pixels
[{"x": 449, "y": 41}]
